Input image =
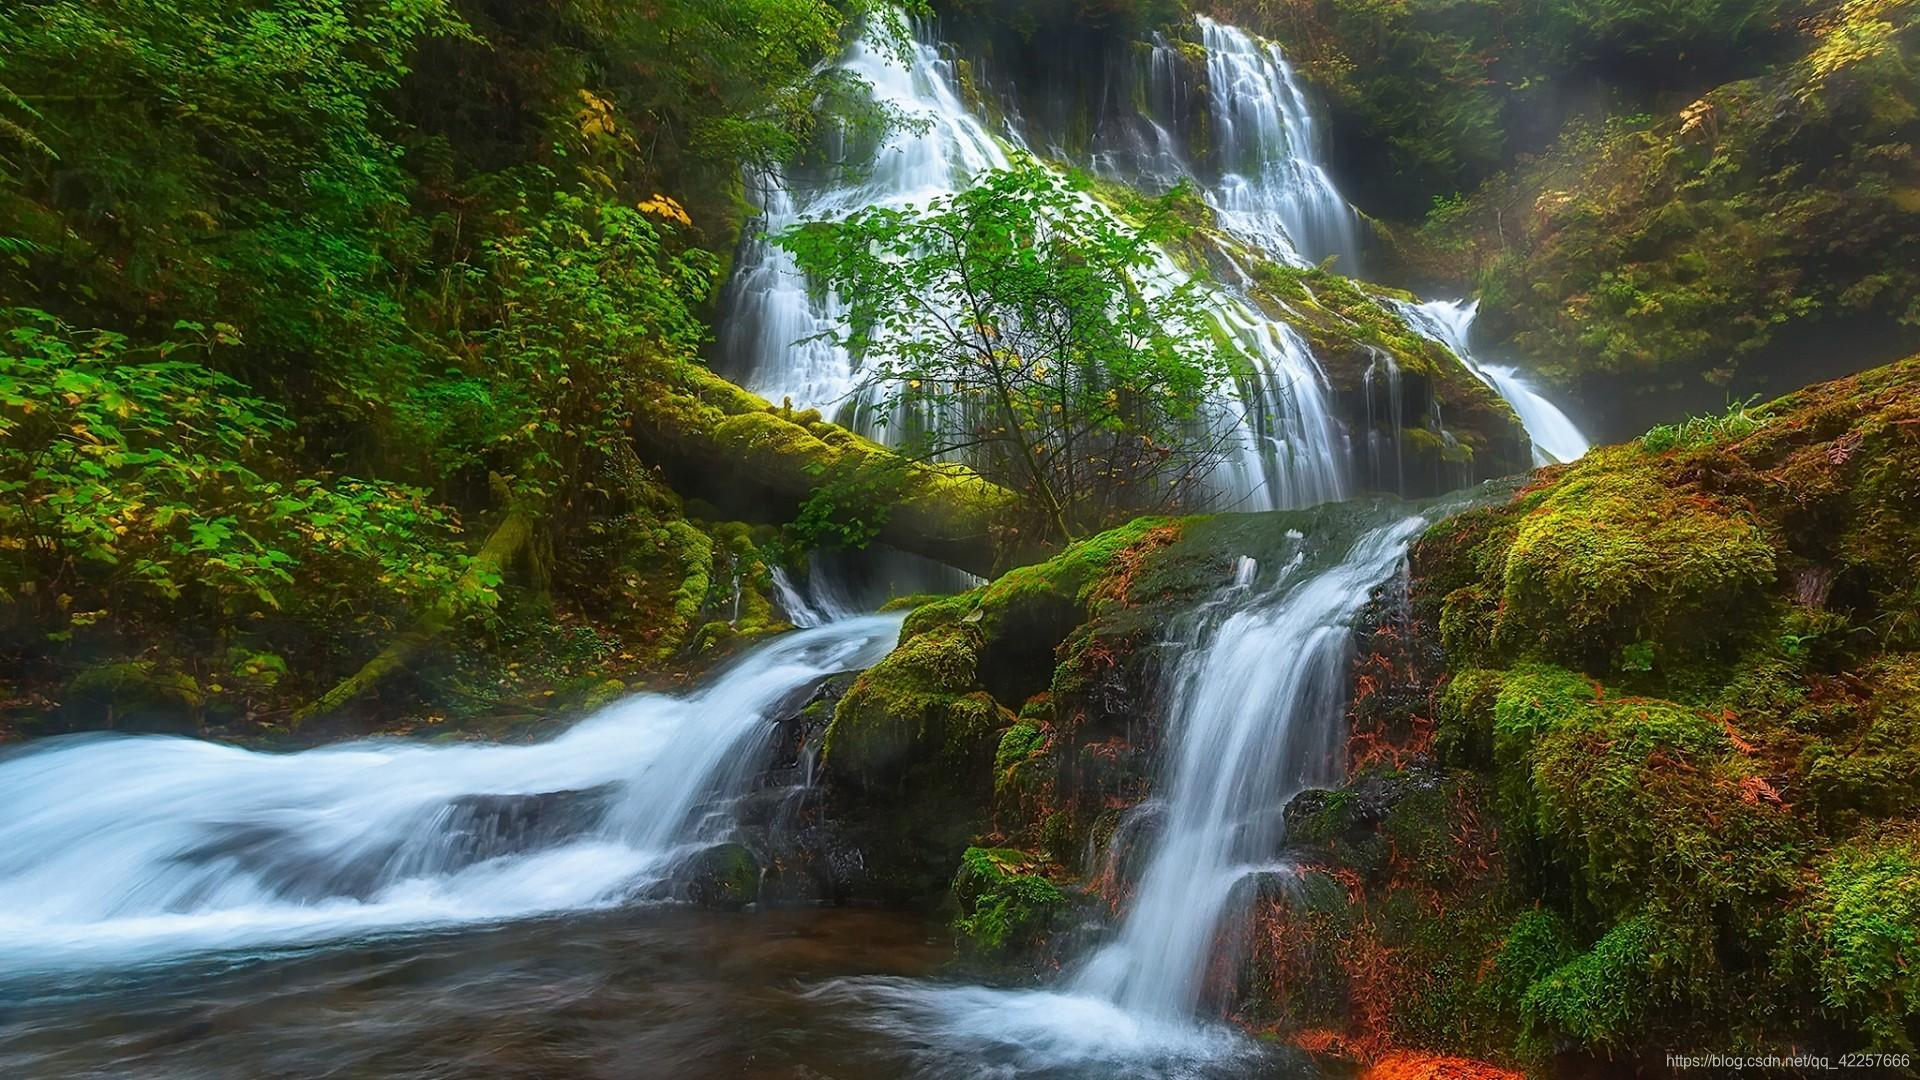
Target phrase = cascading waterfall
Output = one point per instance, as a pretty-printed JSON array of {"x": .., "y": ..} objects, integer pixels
[
  {"x": 1273, "y": 190},
  {"x": 773, "y": 343},
  {"x": 1450, "y": 322},
  {"x": 1285, "y": 449},
  {"x": 1255, "y": 718},
  {"x": 121, "y": 849}
]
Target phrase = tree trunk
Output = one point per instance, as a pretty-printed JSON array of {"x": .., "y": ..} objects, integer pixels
[{"x": 723, "y": 444}]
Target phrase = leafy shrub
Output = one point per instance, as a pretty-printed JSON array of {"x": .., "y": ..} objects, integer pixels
[{"x": 137, "y": 482}]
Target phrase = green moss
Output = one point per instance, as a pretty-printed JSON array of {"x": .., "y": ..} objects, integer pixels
[
  {"x": 1650, "y": 799},
  {"x": 1536, "y": 944},
  {"x": 1612, "y": 556},
  {"x": 1858, "y": 931},
  {"x": 1071, "y": 575},
  {"x": 1005, "y": 908},
  {"x": 917, "y": 708},
  {"x": 1022, "y": 739},
  {"x": 726, "y": 876},
  {"x": 1463, "y": 716},
  {"x": 136, "y": 693},
  {"x": 1603, "y": 998},
  {"x": 693, "y": 551},
  {"x": 1530, "y": 703}
]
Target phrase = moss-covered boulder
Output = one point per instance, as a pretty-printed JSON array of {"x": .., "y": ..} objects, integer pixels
[
  {"x": 138, "y": 695},
  {"x": 1005, "y": 905},
  {"x": 725, "y": 876},
  {"x": 1659, "y": 788}
]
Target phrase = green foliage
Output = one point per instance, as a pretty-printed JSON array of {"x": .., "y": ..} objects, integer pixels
[
  {"x": 1054, "y": 365},
  {"x": 1859, "y": 929},
  {"x": 1005, "y": 908},
  {"x": 1737, "y": 422},
  {"x": 435, "y": 242},
  {"x": 849, "y": 509},
  {"x": 1439, "y": 96},
  {"x": 592, "y": 312},
  {"x": 1675, "y": 251},
  {"x": 139, "y": 482}
]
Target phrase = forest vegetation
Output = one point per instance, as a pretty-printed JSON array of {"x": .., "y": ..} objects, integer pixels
[{"x": 365, "y": 370}]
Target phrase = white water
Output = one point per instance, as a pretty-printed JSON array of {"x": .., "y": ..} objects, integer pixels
[
  {"x": 1256, "y": 718},
  {"x": 1273, "y": 189},
  {"x": 772, "y": 338},
  {"x": 1450, "y": 322},
  {"x": 816, "y": 603},
  {"x": 1285, "y": 449},
  {"x": 121, "y": 849}
]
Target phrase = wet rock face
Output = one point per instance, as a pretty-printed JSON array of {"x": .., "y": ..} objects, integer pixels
[
  {"x": 802, "y": 855},
  {"x": 725, "y": 877}
]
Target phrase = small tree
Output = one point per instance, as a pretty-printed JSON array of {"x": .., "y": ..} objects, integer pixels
[{"x": 1026, "y": 329}]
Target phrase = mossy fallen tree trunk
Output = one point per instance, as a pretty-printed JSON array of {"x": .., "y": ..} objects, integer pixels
[
  {"x": 505, "y": 543},
  {"x": 728, "y": 446}
]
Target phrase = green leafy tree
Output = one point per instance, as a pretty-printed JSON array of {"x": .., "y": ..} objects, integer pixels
[{"x": 1023, "y": 326}]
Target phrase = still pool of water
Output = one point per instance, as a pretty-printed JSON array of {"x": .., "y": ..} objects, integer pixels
[{"x": 836, "y": 994}]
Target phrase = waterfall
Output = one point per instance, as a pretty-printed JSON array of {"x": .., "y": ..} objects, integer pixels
[
  {"x": 1450, "y": 322},
  {"x": 121, "y": 849},
  {"x": 1283, "y": 446},
  {"x": 1272, "y": 190},
  {"x": 772, "y": 340},
  {"x": 817, "y": 603},
  {"x": 1255, "y": 718}
]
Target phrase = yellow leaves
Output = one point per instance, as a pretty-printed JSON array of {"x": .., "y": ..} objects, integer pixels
[
  {"x": 1700, "y": 121},
  {"x": 596, "y": 116},
  {"x": 1862, "y": 32},
  {"x": 664, "y": 208}
]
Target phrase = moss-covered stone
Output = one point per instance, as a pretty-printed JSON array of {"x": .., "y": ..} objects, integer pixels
[
  {"x": 1857, "y": 934},
  {"x": 1610, "y": 557},
  {"x": 725, "y": 876},
  {"x": 1682, "y": 670},
  {"x": 137, "y": 694},
  {"x": 1005, "y": 906}
]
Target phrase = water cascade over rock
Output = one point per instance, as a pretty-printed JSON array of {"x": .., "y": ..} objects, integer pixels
[
  {"x": 182, "y": 845},
  {"x": 1450, "y": 322},
  {"x": 1255, "y": 720},
  {"x": 1273, "y": 190},
  {"x": 1254, "y": 716},
  {"x": 1286, "y": 448}
]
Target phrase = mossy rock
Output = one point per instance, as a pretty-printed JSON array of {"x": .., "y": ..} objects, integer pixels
[
  {"x": 725, "y": 877},
  {"x": 1856, "y": 936},
  {"x": 1005, "y": 906},
  {"x": 1612, "y": 557},
  {"x": 136, "y": 694}
]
